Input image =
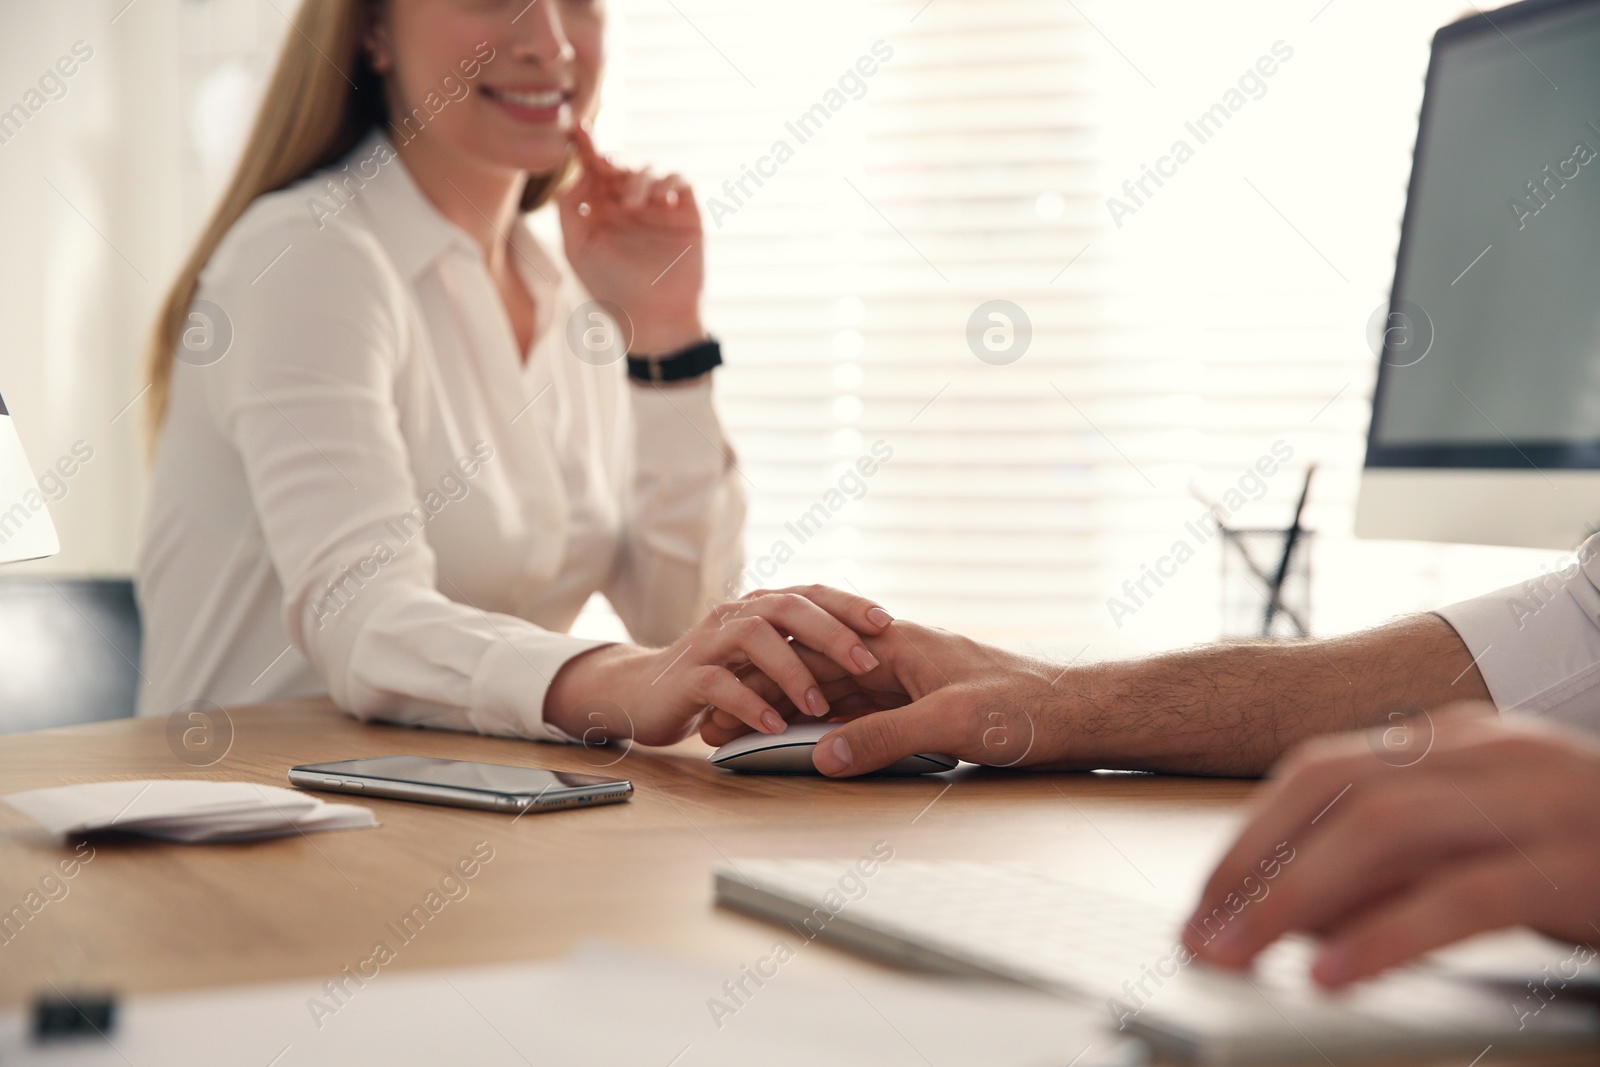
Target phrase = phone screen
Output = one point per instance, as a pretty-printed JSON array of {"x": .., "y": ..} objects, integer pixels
[{"x": 458, "y": 774}]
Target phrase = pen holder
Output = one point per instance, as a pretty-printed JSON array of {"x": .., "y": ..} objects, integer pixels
[{"x": 1250, "y": 563}]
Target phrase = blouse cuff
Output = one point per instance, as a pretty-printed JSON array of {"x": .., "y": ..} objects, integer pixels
[
  {"x": 509, "y": 686},
  {"x": 679, "y": 434}
]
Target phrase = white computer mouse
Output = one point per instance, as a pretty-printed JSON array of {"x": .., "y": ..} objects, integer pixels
[{"x": 790, "y": 753}]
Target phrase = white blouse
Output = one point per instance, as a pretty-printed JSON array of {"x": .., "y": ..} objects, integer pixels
[{"x": 369, "y": 495}]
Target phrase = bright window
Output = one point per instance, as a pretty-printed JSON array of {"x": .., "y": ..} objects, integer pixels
[{"x": 1205, "y": 320}]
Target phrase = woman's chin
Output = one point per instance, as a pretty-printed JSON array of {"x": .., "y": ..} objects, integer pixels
[{"x": 541, "y": 159}]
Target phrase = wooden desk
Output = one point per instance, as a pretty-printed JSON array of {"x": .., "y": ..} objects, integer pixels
[{"x": 146, "y": 916}]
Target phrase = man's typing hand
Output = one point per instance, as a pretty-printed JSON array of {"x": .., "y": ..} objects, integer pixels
[{"x": 1412, "y": 836}]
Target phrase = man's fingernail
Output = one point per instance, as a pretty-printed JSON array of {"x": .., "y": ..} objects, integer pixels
[
  {"x": 833, "y": 756},
  {"x": 1230, "y": 943},
  {"x": 863, "y": 659},
  {"x": 815, "y": 701},
  {"x": 879, "y": 617},
  {"x": 773, "y": 722},
  {"x": 1336, "y": 966}
]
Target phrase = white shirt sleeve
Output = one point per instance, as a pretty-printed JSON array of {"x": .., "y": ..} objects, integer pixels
[
  {"x": 682, "y": 549},
  {"x": 307, "y": 396},
  {"x": 1538, "y": 644}
]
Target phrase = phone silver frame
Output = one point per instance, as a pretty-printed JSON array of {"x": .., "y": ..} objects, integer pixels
[{"x": 549, "y": 799}]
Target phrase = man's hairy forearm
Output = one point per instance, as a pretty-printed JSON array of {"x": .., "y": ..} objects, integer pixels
[{"x": 1233, "y": 709}]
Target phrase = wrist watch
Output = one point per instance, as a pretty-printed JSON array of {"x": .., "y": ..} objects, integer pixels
[{"x": 692, "y": 362}]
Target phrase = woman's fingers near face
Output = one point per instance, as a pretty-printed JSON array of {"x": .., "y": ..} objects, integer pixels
[
  {"x": 670, "y": 191},
  {"x": 593, "y": 162},
  {"x": 634, "y": 188},
  {"x": 605, "y": 183}
]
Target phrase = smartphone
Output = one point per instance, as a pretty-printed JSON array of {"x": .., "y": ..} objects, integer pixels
[{"x": 488, "y": 786}]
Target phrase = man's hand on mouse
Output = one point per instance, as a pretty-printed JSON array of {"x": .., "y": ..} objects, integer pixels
[
  {"x": 1230, "y": 709},
  {"x": 1473, "y": 824},
  {"x": 932, "y": 691}
]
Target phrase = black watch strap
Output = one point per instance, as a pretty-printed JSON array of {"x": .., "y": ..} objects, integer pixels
[{"x": 686, "y": 363}]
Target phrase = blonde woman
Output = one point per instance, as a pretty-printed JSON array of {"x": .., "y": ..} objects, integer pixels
[{"x": 396, "y": 445}]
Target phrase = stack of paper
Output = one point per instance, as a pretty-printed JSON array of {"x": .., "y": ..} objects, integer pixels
[{"x": 192, "y": 811}]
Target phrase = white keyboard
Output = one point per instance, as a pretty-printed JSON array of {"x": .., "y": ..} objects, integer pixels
[{"x": 1121, "y": 952}]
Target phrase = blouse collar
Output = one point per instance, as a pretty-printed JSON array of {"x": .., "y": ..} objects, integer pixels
[{"x": 413, "y": 231}]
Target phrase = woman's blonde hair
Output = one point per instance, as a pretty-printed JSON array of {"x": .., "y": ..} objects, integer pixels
[{"x": 324, "y": 97}]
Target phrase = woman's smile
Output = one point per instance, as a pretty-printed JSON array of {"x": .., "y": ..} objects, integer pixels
[{"x": 535, "y": 105}]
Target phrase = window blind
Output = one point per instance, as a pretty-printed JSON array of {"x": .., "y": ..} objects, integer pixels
[{"x": 1171, "y": 347}]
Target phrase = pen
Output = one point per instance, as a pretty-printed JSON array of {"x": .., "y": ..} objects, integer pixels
[{"x": 1274, "y": 601}]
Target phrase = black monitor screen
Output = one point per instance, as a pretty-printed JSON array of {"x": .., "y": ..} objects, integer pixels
[{"x": 1491, "y": 351}]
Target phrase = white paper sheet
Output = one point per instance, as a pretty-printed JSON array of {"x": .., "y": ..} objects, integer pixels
[
  {"x": 603, "y": 1008},
  {"x": 193, "y": 811}
]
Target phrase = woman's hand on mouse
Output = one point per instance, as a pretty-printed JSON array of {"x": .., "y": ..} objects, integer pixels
[
  {"x": 635, "y": 239},
  {"x": 658, "y": 696}
]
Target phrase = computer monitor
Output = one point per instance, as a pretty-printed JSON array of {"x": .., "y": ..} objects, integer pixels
[{"x": 1486, "y": 417}]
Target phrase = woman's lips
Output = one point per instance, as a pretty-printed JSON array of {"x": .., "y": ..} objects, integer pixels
[{"x": 529, "y": 105}]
